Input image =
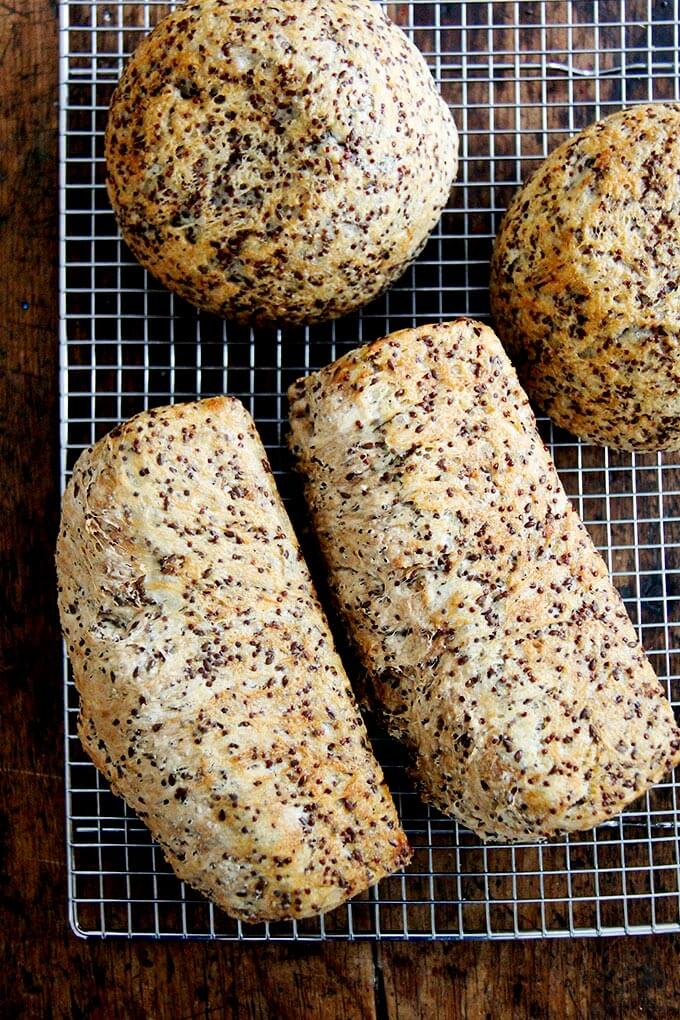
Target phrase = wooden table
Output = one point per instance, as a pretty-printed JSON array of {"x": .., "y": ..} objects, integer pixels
[{"x": 47, "y": 972}]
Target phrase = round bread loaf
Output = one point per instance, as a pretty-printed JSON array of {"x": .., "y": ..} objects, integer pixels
[
  {"x": 278, "y": 161},
  {"x": 584, "y": 281}
]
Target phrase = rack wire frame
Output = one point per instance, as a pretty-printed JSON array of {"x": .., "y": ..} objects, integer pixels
[{"x": 520, "y": 77}]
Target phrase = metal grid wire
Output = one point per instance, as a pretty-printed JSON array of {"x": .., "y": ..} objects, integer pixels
[{"x": 519, "y": 77}]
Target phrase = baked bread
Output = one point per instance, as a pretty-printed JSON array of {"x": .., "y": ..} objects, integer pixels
[
  {"x": 584, "y": 281},
  {"x": 211, "y": 695},
  {"x": 494, "y": 642},
  {"x": 278, "y": 161}
]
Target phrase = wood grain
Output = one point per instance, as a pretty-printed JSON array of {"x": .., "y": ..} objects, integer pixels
[
  {"x": 553, "y": 980},
  {"x": 47, "y": 972}
]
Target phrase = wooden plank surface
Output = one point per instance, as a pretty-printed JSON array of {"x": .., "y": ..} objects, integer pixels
[{"x": 47, "y": 972}]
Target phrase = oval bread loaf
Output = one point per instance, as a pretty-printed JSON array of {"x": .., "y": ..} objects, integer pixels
[
  {"x": 584, "y": 281},
  {"x": 495, "y": 643},
  {"x": 212, "y": 698},
  {"x": 271, "y": 160}
]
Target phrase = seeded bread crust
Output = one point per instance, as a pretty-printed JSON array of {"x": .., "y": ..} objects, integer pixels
[
  {"x": 211, "y": 695},
  {"x": 277, "y": 160},
  {"x": 584, "y": 281},
  {"x": 495, "y": 644}
]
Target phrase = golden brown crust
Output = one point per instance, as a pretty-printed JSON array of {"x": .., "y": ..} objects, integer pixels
[
  {"x": 211, "y": 695},
  {"x": 496, "y": 645},
  {"x": 584, "y": 281},
  {"x": 277, "y": 160}
]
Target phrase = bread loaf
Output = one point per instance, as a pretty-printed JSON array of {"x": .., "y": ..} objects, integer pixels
[
  {"x": 494, "y": 641},
  {"x": 584, "y": 281},
  {"x": 271, "y": 160},
  {"x": 211, "y": 695}
]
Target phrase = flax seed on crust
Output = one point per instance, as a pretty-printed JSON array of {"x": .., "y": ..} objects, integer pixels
[
  {"x": 277, "y": 160},
  {"x": 495, "y": 644},
  {"x": 585, "y": 277},
  {"x": 211, "y": 695}
]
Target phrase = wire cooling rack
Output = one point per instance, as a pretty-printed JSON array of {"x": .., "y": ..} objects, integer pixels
[{"x": 520, "y": 77}]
